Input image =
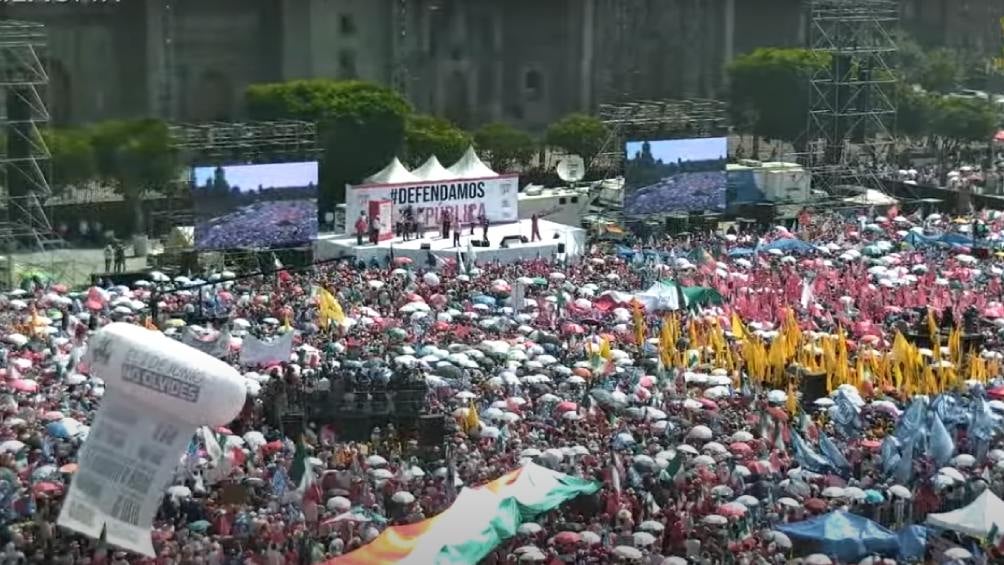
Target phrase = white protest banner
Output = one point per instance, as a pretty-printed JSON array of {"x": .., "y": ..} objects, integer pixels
[
  {"x": 256, "y": 353},
  {"x": 159, "y": 391},
  {"x": 465, "y": 199},
  {"x": 217, "y": 346}
]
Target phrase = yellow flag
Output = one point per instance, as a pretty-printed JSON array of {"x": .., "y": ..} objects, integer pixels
[
  {"x": 328, "y": 308},
  {"x": 472, "y": 422},
  {"x": 792, "y": 403},
  {"x": 639, "y": 324},
  {"x": 738, "y": 329}
]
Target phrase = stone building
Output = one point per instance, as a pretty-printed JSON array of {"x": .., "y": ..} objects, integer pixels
[{"x": 523, "y": 61}]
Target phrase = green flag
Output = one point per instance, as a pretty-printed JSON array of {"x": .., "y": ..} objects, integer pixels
[{"x": 673, "y": 470}]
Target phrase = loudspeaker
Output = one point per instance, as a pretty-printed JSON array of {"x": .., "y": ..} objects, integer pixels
[
  {"x": 812, "y": 387},
  {"x": 561, "y": 248},
  {"x": 426, "y": 246},
  {"x": 479, "y": 243},
  {"x": 431, "y": 430},
  {"x": 509, "y": 239}
]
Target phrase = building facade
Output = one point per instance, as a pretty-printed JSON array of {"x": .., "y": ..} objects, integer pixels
[{"x": 473, "y": 61}]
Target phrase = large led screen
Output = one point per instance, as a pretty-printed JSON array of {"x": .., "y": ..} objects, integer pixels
[
  {"x": 255, "y": 206},
  {"x": 675, "y": 175}
]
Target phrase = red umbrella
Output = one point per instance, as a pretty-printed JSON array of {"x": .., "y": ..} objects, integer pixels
[
  {"x": 708, "y": 404},
  {"x": 585, "y": 373},
  {"x": 871, "y": 443},
  {"x": 399, "y": 261},
  {"x": 566, "y": 406},
  {"x": 567, "y": 538},
  {"x": 816, "y": 505},
  {"x": 739, "y": 447},
  {"x": 46, "y": 488}
]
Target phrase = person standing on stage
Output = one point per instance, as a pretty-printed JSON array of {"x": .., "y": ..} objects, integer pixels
[
  {"x": 375, "y": 229},
  {"x": 446, "y": 223},
  {"x": 535, "y": 228},
  {"x": 361, "y": 225},
  {"x": 456, "y": 235},
  {"x": 484, "y": 226}
]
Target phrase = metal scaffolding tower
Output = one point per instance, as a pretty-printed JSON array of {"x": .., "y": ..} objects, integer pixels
[
  {"x": 24, "y": 156},
  {"x": 654, "y": 119},
  {"x": 852, "y": 107}
]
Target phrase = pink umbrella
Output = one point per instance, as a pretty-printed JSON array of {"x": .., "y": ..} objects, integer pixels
[
  {"x": 647, "y": 381},
  {"x": 566, "y": 406},
  {"x": 53, "y": 415},
  {"x": 24, "y": 385},
  {"x": 732, "y": 509}
]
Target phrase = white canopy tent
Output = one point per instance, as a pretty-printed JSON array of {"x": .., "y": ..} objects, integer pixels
[
  {"x": 471, "y": 167},
  {"x": 393, "y": 173},
  {"x": 984, "y": 514},
  {"x": 432, "y": 170}
]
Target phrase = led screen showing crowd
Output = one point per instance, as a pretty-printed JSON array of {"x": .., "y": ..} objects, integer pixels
[
  {"x": 675, "y": 175},
  {"x": 255, "y": 206}
]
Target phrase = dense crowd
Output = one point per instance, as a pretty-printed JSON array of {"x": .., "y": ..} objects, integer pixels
[{"x": 687, "y": 403}]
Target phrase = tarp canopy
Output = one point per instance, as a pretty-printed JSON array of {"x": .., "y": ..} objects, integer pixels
[
  {"x": 920, "y": 241},
  {"x": 479, "y": 520},
  {"x": 847, "y": 536},
  {"x": 976, "y": 520},
  {"x": 912, "y": 542},
  {"x": 789, "y": 245}
]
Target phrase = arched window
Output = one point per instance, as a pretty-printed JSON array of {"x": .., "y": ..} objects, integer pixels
[{"x": 533, "y": 85}]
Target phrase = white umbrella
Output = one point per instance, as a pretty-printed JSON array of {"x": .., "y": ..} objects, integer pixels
[
  {"x": 179, "y": 491},
  {"x": 714, "y": 520},
  {"x": 529, "y": 529},
  {"x": 651, "y": 526},
  {"x": 818, "y": 559},
  {"x": 627, "y": 552},
  {"x": 376, "y": 461},
  {"x": 900, "y": 491},
  {"x": 643, "y": 539},
  {"x": 700, "y": 432},
  {"x": 403, "y": 497}
]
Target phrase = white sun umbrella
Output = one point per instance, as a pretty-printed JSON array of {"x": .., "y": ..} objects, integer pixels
[
  {"x": 492, "y": 413},
  {"x": 382, "y": 474},
  {"x": 703, "y": 461},
  {"x": 964, "y": 460},
  {"x": 338, "y": 504},
  {"x": 403, "y": 497},
  {"x": 627, "y": 552},
  {"x": 528, "y": 529},
  {"x": 376, "y": 461},
  {"x": 179, "y": 492},
  {"x": 642, "y": 539},
  {"x": 687, "y": 448},
  {"x": 255, "y": 439},
  {"x": 700, "y": 432},
  {"x": 742, "y": 435},
  {"x": 465, "y": 395},
  {"x": 952, "y": 473},
  {"x": 818, "y": 559},
  {"x": 530, "y": 452},
  {"x": 651, "y": 526},
  {"x": 715, "y": 520},
  {"x": 714, "y": 447},
  {"x": 833, "y": 492},
  {"x": 900, "y": 491}
]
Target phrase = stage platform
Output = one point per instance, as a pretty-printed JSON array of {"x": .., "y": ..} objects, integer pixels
[{"x": 573, "y": 239}]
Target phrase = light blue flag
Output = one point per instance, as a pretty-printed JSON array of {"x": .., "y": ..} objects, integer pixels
[
  {"x": 846, "y": 416},
  {"x": 807, "y": 457},
  {"x": 911, "y": 423},
  {"x": 904, "y": 468},
  {"x": 832, "y": 452},
  {"x": 889, "y": 453},
  {"x": 942, "y": 447}
]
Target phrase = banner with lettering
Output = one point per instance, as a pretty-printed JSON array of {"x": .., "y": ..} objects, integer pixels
[
  {"x": 466, "y": 200},
  {"x": 258, "y": 353}
]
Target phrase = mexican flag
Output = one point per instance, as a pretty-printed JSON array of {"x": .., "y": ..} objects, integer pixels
[
  {"x": 476, "y": 523},
  {"x": 301, "y": 474}
]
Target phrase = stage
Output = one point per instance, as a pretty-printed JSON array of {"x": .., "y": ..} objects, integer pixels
[{"x": 572, "y": 239}]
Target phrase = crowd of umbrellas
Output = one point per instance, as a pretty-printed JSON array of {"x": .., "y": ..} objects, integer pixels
[{"x": 664, "y": 392}]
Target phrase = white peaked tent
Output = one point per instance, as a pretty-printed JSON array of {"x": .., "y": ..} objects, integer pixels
[
  {"x": 432, "y": 170},
  {"x": 471, "y": 167},
  {"x": 975, "y": 520},
  {"x": 394, "y": 173}
]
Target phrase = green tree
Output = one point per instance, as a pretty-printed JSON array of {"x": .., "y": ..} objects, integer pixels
[
  {"x": 913, "y": 111},
  {"x": 504, "y": 146},
  {"x": 769, "y": 89},
  {"x": 955, "y": 122},
  {"x": 361, "y": 125},
  {"x": 134, "y": 156},
  {"x": 71, "y": 156},
  {"x": 943, "y": 71},
  {"x": 578, "y": 134},
  {"x": 425, "y": 136}
]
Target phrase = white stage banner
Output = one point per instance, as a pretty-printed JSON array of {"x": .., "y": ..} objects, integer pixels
[{"x": 465, "y": 199}]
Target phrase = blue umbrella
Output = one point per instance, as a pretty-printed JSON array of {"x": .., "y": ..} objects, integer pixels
[
  {"x": 59, "y": 430},
  {"x": 874, "y": 497},
  {"x": 482, "y": 299}
]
